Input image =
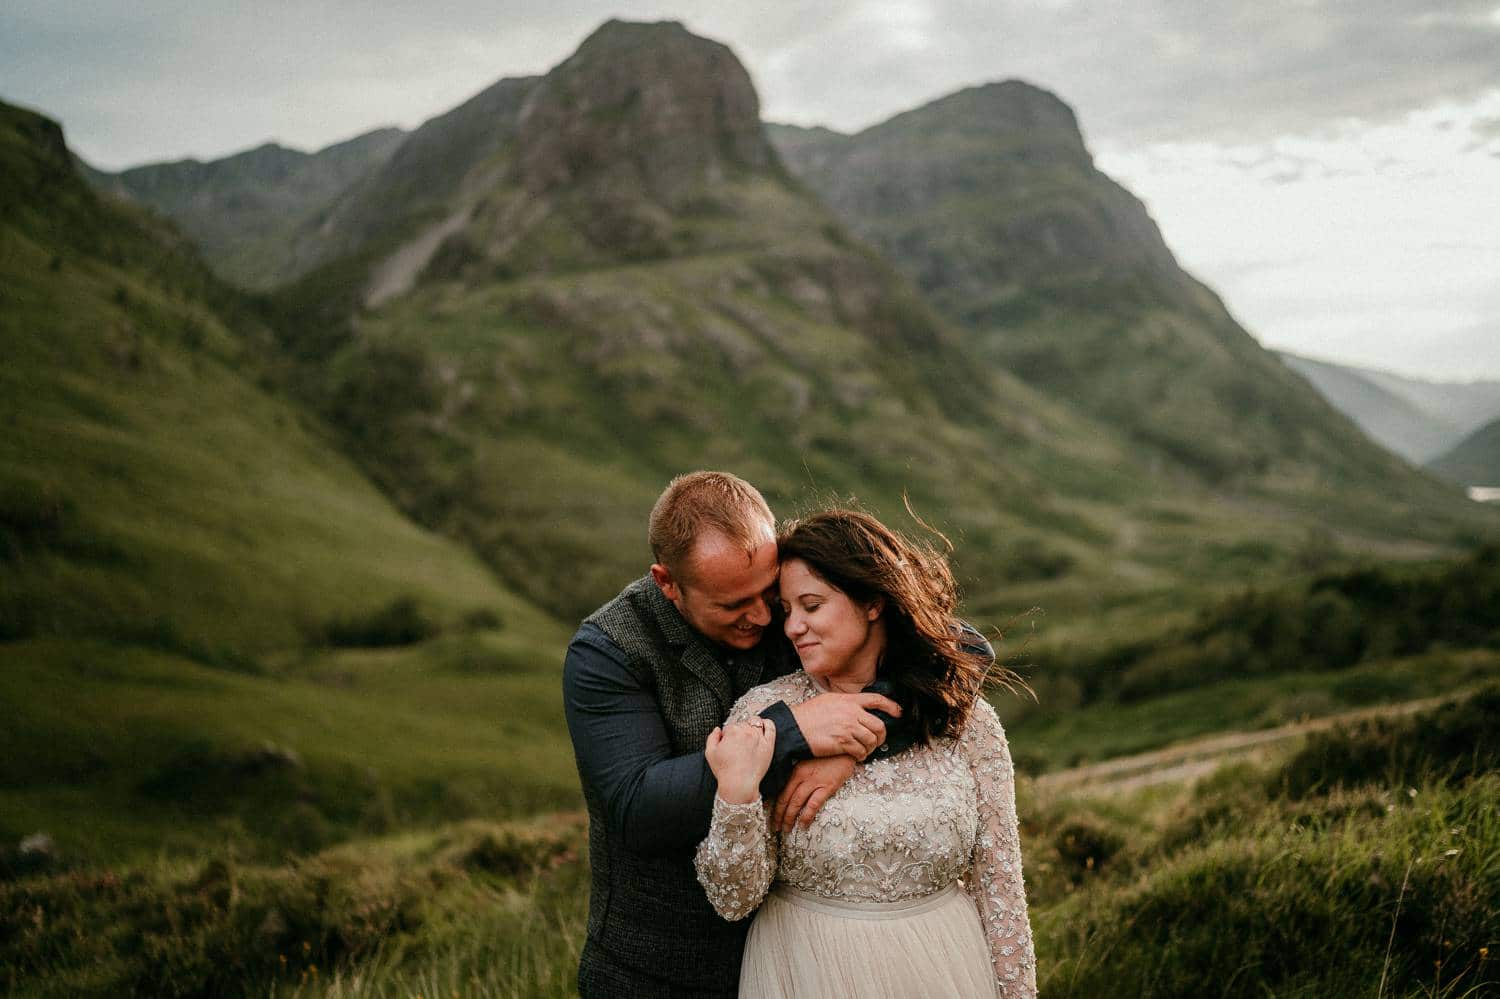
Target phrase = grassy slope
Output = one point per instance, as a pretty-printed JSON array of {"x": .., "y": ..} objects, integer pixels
[{"x": 173, "y": 539}]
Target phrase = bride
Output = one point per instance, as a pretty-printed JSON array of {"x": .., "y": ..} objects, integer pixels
[{"x": 908, "y": 881}]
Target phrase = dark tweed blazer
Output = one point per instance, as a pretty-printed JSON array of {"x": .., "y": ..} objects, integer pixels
[{"x": 651, "y": 931}]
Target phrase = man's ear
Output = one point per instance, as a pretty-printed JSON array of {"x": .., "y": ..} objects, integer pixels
[
  {"x": 662, "y": 576},
  {"x": 874, "y": 608}
]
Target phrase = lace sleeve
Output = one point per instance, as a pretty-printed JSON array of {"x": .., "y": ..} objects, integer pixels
[
  {"x": 736, "y": 860},
  {"x": 994, "y": 878}
]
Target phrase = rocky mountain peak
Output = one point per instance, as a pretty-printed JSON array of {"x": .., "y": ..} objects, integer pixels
[
  {"x": 1011, "y": 112},
  {"x": 643, "y": 109},
  {"x": 33, "y": 153}
]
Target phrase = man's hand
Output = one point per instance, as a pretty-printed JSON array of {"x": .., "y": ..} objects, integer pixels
[
  {"x": 841, "y": 724},
  {"x": 812, "y": 783}
]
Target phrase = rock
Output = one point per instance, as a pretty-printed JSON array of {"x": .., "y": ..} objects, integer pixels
[
  {"x": 38, "y": 847},
  {"x": 643, "y": 109}
]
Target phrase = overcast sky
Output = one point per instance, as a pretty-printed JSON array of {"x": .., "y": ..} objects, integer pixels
[{"x": 1331, "y": 167}]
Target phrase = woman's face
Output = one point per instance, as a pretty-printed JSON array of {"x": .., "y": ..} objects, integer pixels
[{"x": 835, "y": 637}]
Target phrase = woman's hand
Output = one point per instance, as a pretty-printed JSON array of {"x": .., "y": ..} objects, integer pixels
[{"x": 739, "y": 755}]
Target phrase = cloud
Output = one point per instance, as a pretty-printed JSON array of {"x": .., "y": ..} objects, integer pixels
[
  {"x": 150, "y": 79},
  {"x": 1380, "y": 252},
  {"x": 1304, "y": 156}
]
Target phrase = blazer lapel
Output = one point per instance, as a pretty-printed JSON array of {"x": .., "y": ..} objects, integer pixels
[{"x": 696, "y": 658}]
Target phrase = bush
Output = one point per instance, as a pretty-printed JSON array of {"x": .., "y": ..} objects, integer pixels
[
  {"x": 1389, "y": 901},
  {"x": 1454, "y": 742},
  {"x": 229, "y": 929},
  {"x": 400, "y": 622},
  {"x": 1086, "y": 843}
]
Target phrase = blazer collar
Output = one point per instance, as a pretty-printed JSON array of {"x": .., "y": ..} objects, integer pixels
[{"x": 699, "y": 656}]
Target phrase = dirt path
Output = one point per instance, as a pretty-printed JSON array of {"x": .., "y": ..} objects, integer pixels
[{"x": 1190, "y": 760}]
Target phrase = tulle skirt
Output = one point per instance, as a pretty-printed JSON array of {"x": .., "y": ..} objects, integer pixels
[{"x": 804, "y": 946}]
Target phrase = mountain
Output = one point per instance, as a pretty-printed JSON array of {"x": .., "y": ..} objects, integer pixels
[
  {"x": 1475, "y": 460},
  {"x": 989, "y": 200},
  {"x": 190, "y": 569},
  {"x": 241, "y": 210},
  {"x": 1467, "y": 405},
  {"x": 548, "y": 300},
  {"x": 981, "y": 197},
  {"x": 623, "y": 282},
  {"x": 1393, "y": 420}
]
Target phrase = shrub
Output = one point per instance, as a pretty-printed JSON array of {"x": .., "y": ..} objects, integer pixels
[
  {"x": 1371, "y": 902},
  {"x": 1086, "y": 843},
  {"x": 400, "y": 622},
  {"x": 1453, "y": 742}
]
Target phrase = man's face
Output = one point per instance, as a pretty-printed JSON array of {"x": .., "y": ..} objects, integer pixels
[{"x": 724, "y": 593}]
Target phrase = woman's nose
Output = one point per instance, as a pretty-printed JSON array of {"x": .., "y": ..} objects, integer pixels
[{"x": 794, "y": 623}]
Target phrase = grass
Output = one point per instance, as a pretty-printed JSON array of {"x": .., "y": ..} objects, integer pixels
[
  {"x": 122, "y": 754},
  {"x": 1383, "y": 884},
  {"x": 1069, "y": 735},
  {"x": 469, "y": 907}
]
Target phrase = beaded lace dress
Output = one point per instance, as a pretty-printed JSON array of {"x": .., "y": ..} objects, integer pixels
[{"x": 901, "y": 831}]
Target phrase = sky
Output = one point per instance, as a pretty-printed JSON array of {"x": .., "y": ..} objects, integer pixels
[{"x": 1330, "y": 167}]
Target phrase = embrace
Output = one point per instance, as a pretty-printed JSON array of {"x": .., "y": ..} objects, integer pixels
[{"x": 791, "y": 728}]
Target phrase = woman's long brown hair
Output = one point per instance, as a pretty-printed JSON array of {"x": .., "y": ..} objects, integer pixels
[{"x": 925, "y": 656}]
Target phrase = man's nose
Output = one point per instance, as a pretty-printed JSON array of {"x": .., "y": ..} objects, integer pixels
[{"x": 760, "y": 612}]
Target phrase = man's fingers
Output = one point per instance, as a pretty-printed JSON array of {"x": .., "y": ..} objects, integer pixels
[
  {"x": 799, "y": 796},
  {"x": 874, "y": 725},
  {"x": 871, "y": 701},
  {"x": 814, "y": 803},
  {"x": 779, "y": 812}
]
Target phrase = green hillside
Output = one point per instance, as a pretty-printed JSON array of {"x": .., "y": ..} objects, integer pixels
[{"x": 192, "y": 571}]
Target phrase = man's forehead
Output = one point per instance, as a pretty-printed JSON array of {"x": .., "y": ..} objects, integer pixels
[
  {"x": 716, "y": 546},
  {"x": 717, "y": 558}
]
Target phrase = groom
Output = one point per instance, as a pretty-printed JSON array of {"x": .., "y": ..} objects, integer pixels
[{"x": 646, "y": 678}]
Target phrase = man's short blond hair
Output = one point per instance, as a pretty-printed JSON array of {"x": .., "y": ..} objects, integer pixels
[{"x": 700, "y": 502}]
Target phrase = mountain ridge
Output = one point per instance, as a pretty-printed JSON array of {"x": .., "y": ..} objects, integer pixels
[
  {"x": 1061, "y": 276},
  {"x": 514, "y": 352},
  {"x": 241, "y": 209}
]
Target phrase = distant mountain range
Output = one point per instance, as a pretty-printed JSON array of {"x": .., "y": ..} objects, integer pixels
[
  {"x": 1423, "y": 421},
  {"x": 243, "y": 210},
  {"x": 521, "y": 318}
]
